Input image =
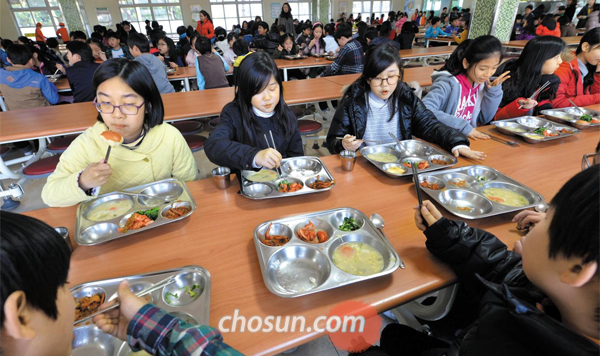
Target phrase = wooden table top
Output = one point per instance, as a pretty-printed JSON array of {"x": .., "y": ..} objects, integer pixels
[
  {"x": 301, "y": 63},
  {"x": 218, "y": 236},
  {"x": 426, "y": 52},
  {"x": 570, "y": 41},
  {"x": 421, "y": 75}
]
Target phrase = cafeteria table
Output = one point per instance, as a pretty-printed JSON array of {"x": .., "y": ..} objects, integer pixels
[
  {"x": 570, "y": 41},
  {"x": 219, "y": 237},
  {"x": 446, "y": 40}
]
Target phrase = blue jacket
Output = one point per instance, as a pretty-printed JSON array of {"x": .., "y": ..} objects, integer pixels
[
  {"x": 444, "y": 96},
  {"x": 435, "y": 32},
  {"x": 4, "y": 59},
  {"x": 24, "y": 88}
]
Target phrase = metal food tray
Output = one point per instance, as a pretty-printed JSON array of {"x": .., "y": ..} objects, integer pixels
[
  {"x": 477, "y": 179},
  {"x": 570, "y": 116},
  {"x": 89, "y": 338},
  {"x": 412, "y": 151},
  {"x": 300, "y": 268},
  {"x": 297, "y": 56},
  {"x": 528, "y": 124},
  {"x": 90, "y": 233},
  {"x": 302, "y": 169}
]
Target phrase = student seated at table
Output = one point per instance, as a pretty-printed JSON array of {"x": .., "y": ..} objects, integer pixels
[
  {"x": 349, "y": 59},
  {"x": 434, "y": 31},
  {"x": 225, "y": 46},
  {"x": 464, "y": 33},
  {"x": 287, "y": 47},
  {"x": 331, "y": 44},
  {"x": 379, "y": 102},
  {"x": 140, "y": 49},
  {"x": 129, "y": 103},
  {"x": 238, "y": 142},
  {"x": 534, "y": 67},
  {"x": 453, "y": 28},
  {"x": 316, "y": 45},
  {"x": 38, "y": 309},
  {"x": 210, "y": 66},
  {"x": 384, "y": 36},
  {"x": 304, "y": 37},
  {"x": 466, "y": 98},
  {"x": 167, "y": 52},
  {"x": 241, "y": 49},
  {"x": 81, "y": 71},
  {"x": 190, "y": 58},
  {"x": 261, "y": 31},
  {"x": 406, "y": 36},
  {"x": 21, "y": 87},
  {"x": 98, "y": 50},
  {"x": 78, "y": 36},
  {"x": 4, "y": 43},
  {"x": 580, "y": 74},
  {"x": 117, "y": 49},
  {"x": 548, "y": 27}
]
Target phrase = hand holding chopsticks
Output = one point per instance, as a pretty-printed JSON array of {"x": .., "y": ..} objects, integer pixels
[
  {"x": 527, "y": 103},
  {"x": 270, "y": 157}
]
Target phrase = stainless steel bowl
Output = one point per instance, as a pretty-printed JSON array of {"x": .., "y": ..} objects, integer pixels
[
  {"x": 88, "y": 291},
  {"x": 395, "y": 175},
  {"x": 185, "y": 317},
  {"x": 169, "y": 191},
  {"x": 529, "y": 196},
  {"x": 182, "y": 280},
  {"x": 89, "y": 340},
  {"x": 98, "y": 233},
  {"x": 447, "y": 160},
  {"x": 480, "y": 172},
  {"x": 276, "y": 229},
  {"x": 179, "y": 204},
  {"x": 510, "y": 128},
  {"x": 309, "y": 182},
  {"x": 298, "y": 269},
  {"x": 137, "y": 287},
  {"x": 337, "y": 219},
  {"x": 531, "y": 122},
  {"x": 452, "y": 179},
  {"x": 434, "y": 180},
  {"x": 368, "y": 240},
  {"x": 366, "y": 151},
  {"x": 302, "y": 167},
  {"x": 413, "y": 148},
  {"x": 64, "y": 233},
  {"x": 415, "y": 159},
  {"x": 465, "y": 202},
  {"x": 258, "y": 190},
  {"x": 319, "y": 224},
  {"x": 289, "y": 180},
  {"x": 109, "y": 198}
]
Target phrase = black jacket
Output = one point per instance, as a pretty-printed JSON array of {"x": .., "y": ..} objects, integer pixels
[
  {"x": 268, "y": 43},
  {"x": 509, "y": 322},
  {"x": 224, "y": 146},
  {"x": 183, "y": 47},
  {"x": 405, "y": 40},
  {"x": 415, "y": 119},
  {"x": 80, "y": 77}
]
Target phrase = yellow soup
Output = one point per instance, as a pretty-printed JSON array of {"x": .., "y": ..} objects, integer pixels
[
  {"x": 110, "y": 210},
  {"x": 505, "y": 197},
  {"x": 358, "y": 258},
  {"x": 263, "y": 176},
  {"x": 514, "y": 129},
  {"x": 396, "y": 170},
  {"x": 382, "y": 157}
]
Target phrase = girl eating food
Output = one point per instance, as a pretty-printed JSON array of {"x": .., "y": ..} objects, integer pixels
[
  {"x": 129, "y": 104},
  {"x": 379, "y": 102},
  {"x": 258, "y": 109}
]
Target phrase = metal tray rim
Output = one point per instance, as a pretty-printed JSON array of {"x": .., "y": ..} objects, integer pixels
[{"x": 576, "y": 131}]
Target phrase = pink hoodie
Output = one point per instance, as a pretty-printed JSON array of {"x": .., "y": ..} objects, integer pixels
[
  {"x": 468, "y": 98},
  {"x": 399, "y": 24}
]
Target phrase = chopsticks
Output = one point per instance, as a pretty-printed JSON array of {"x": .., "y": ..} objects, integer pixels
[
  {"x": 537, "y": 92},
  {"x": 275, "y": 148},
  {"x": 418, "y": 187},
  {"x": 165, "y": 282},
  {"x": 369, "y": 141},
  {"x": 506, "y": 142}
]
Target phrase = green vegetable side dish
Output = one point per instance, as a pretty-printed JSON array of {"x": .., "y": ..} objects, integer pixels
[
  {"x": 586, "y": 117},
  {"x": 192, "y": 292},
  {"x": 540, "y": 130},
  {"x": 168, "y": 295},
  {"x": 349, "y": 224},
  {"x": 150, "y": 213},
  {"x": 480, "y": 178}
]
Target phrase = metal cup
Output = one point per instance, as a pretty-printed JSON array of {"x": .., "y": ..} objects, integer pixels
[
  {"x": 64, "y": 232},
  {"x": 222, "y": 177},
  {"x": 347, "y": 159}
]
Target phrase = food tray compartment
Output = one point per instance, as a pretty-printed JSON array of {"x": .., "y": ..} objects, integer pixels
[
  {"x": 169, "y": 193},
  {"x": 295, "y": 56},
  {"x": 303, "y": 170},
  {"x": 471, "y": 199},
  {"x": 571, "y": 116},
  {"x": 89, "y": 339},
  {"x": 299, "y": 268},
  {"x": 525, "y": 126},
  {"x": 408, "y": 151}
]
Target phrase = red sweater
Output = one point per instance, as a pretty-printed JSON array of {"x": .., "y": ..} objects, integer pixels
[
  {"x": 571, "y": 87},
  {"x": 206, "y": 29},
  {"x": 544, "y": 31}
]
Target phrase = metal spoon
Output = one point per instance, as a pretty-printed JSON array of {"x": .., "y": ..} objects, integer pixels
[
  {"x": 578, "y": 108},
  {"x": 149, "y": 197},
  {"x": 379, "y": 223},
  {"x": 400, "y": 144}
]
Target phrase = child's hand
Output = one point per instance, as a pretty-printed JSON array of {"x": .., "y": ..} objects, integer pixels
[
  {"x": 468, "y": 153},
  {"x": 279, "y": 48},
  {"x": 162, "y": 59},
  {"x": 428, "y": 212},
  {"x": 501, "y": 79},
  {"x": 527, "y": 103},
  {"x": 173, "y": 65},
  {"x": 268, "y": 158},
  {"x": 519, "y": 245},
  {"x": 95, "y": 175},
  {"x": 115, "y": 322},
  {"x": 312, "y": 43},
  {"x": 61, "y": 68},
  {"x": 526, "y": 218},
  {"x": 103, "y": 56},
  {"x": 351, "y": 143},
  {"x": 474, "y": 135}
]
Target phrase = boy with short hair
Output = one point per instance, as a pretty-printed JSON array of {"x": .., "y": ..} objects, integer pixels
[
  {"x": 261, "y": 30},
  {"x": 331, "y": 44},
  {"x": 304, "y": 37},
  {"x": 38, "y": 309},
  {"x": 117, "y": 49},
  {"x": 453, "y": 28},
  {"x": 21, "y": 87},
  {"x": 210, "y": 66},
  {"x": 350, "y": 57},
  {"x": 78, "y": 36},
  {"x": 81, "y": 71},
  {"x": 140, "y": 49}
]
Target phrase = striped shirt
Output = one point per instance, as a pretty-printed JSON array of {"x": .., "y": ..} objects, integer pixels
[
  {"x": 159, "y": 333},
  {"x": 378, "y": 126},
  {"x": 348, "y": 61}
]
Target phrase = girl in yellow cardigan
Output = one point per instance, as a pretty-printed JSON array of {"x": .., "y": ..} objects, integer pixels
[{"x": 128, "y": 103}]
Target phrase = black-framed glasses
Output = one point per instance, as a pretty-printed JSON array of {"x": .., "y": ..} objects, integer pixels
[
  {"x": 108, "y": 108},
  {"x": 391, "y": 80}
]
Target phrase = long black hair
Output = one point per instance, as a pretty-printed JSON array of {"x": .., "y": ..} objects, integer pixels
[
  {"x": 322, "y": 38},
  {"x": 207, "y": 15},
  {"x": 285, "y": 37},
  {"x": 139, "y": 79},
  {"x": 172, "y": 49},
  {"x": 287, "y": 15},
  {"x": 255, "y": 73},
  {"x": 483, "y": 47},
  {"x": 526, "y": 71},
  {"x": 592, "y": 37}
]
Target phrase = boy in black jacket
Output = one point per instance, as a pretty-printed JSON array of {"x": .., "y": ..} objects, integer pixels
[
  {"x": 81, "y": 71},
  {"x": 557, "y": 261}
]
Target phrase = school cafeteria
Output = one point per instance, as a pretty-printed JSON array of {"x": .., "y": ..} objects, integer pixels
[{"x": 254, "y": 177}]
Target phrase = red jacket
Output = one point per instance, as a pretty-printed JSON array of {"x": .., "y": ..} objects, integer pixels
[
  {"x": 206, "y": 29},
  {"x": 571, "y": 87},
  {"x": 544, "y": 31},
  {"x": 511, "y": 109}
]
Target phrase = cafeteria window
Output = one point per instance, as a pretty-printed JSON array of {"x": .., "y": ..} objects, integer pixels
[
  {"x": 300, "y": 10},
  {"x": 366, "y": 8},
  {"x": 226, "y": 13},
  {"x": 434, "y": 5},
  {"x": 26, "y": 13},
  {"x": 166, "y": 12}
]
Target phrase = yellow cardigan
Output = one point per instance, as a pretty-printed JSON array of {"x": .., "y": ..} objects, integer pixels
[
  {"x": 463, "y": 36},
  {"x": 162, "y": 154}
]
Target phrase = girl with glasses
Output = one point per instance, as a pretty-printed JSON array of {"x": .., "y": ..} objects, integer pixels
[
  {"x": 128, "y": 103},
  {"x": 379, "y": 102}
]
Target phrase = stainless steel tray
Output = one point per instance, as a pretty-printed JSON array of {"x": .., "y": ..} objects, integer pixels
[
  {"x": 524, "y": 127},
  {"x": 89, "y": 232},
  {"x": 88, "y": 338},
  {"x": 297, "y": 56},
  {"x": 411, "y": 151},
  {"x": 570, "y": 116},
  {"x": 470, "y": 197},
  {"x": 303, "y": 170},
  {"x": 300, "y": 268}
]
